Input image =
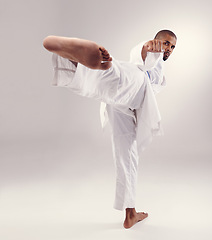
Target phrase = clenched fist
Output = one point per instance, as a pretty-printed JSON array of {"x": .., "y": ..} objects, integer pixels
[{"x": 152, "y": 46}]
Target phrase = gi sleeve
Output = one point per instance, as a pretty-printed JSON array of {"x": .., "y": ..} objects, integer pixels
[{"x": 156, "y": 76}]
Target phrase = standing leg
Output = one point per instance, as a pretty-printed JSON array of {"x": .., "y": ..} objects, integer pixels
[
  {"x": 86, "y": 52},
  {"x": 126, "y": 160}
]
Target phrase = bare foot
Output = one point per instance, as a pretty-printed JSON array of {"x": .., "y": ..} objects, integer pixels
[
  {"x": 132, "y": 217},
  {"x": 86, "y": 52}
]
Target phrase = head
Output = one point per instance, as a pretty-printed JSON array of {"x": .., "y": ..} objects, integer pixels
[{"x": 169, "y": 40}]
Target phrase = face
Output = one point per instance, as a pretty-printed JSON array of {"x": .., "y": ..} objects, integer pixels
[{"x": 169, "y": 43}]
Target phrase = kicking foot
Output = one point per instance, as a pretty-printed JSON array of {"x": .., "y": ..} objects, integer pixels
[
  {"x": 132, "y": 217},
  {"x": 83, "y": 51}
]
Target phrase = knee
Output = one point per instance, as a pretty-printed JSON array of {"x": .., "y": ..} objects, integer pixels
[{"x": 51, "y": 43}]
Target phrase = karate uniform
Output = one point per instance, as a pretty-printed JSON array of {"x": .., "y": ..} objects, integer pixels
[{"x": 126, "y": 91}]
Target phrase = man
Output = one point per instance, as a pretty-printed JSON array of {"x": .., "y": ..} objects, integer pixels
[{"x": 127, "y": 91}]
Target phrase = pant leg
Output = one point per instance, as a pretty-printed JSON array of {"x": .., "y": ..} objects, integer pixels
[
  {"x": 125, "y": 156},
  {"x": 97, "y": 84}
]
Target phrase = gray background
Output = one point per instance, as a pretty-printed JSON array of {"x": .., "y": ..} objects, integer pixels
[{"x": 56, "y": 168}]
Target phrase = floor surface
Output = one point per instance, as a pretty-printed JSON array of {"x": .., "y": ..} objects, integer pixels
[{"x": 51, "y": 191}]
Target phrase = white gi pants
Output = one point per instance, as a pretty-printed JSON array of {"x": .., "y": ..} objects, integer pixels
[{"x": 126, "y": 157}]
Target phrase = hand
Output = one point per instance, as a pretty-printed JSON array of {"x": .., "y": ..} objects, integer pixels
[{"x": 152, "y": 46}]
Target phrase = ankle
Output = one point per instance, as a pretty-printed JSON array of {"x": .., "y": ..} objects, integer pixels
[{"x": 130, "y": 212}]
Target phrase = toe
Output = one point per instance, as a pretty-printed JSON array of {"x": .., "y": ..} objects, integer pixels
[
  {"x": 102, "y": 49},
  {"x": 106, "y": 58},
  {"x": 106, "y": 55},
  {"x": 106, "y": 65}
]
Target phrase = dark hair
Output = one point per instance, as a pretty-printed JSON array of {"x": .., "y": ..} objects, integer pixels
[{"x": 163, "y": 32}]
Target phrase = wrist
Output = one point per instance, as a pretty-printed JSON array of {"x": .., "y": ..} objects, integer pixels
[{"x": 144, "y": 52}]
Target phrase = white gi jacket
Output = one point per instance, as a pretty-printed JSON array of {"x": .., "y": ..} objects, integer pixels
[
  {"x": 132, "y": 90},
  {"x": 148, "y": 117}
]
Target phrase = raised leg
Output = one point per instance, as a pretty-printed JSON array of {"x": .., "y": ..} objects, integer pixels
[{"x": 86, "y": 52}]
